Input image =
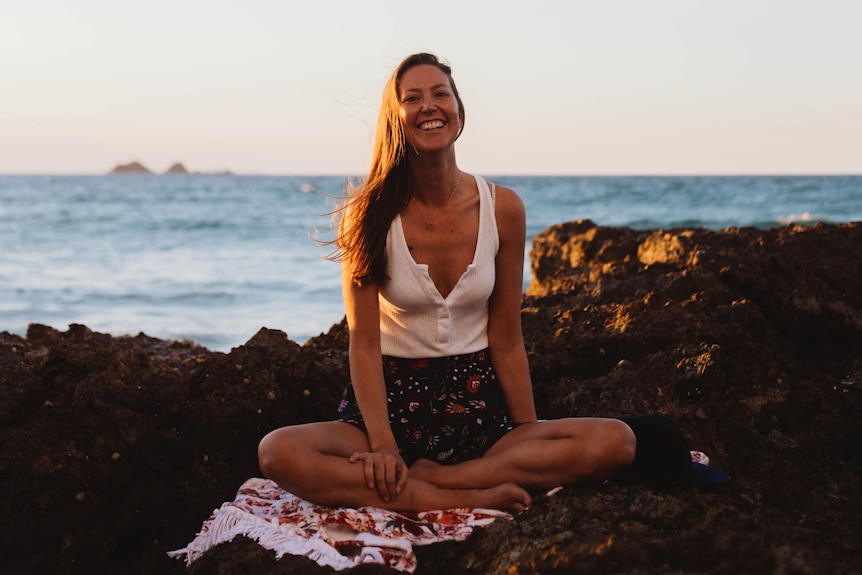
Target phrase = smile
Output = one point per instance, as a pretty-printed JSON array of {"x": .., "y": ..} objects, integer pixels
[{"x": 431, "y": 125}]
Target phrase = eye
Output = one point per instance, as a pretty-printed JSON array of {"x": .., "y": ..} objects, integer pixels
[{"x": 410, "y": 99}]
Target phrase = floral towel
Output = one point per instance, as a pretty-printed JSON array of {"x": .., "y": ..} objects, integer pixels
[{"x": 336, "y": 537}]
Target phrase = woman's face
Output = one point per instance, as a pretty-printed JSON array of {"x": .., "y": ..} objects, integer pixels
[{"x": 429, "y": 108}]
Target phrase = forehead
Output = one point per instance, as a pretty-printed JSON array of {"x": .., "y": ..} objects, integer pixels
[{"x": 423, "y": 76}]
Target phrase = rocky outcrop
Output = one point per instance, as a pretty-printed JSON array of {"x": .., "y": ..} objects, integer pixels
[
  {"x": 130, "y": 168},
  {"x": 177, "y": 168},
  {"x": 113, "y": 450}
]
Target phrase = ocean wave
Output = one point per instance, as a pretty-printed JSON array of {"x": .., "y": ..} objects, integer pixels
[
  {"x": 216, "y": 259},
  {"x": 803, "y": 218}
]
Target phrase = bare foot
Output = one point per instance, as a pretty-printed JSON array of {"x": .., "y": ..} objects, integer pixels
[
  {"x": 508, "y": 497},
  {"x": 423, "y": 463},
  {"x": 423, "y": 469}
]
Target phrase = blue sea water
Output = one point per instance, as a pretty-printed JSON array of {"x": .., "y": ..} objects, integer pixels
[{"x": 215, "y": 258}]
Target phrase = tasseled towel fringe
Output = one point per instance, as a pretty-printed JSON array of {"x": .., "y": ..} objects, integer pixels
[{"x": 339, "y": 538}]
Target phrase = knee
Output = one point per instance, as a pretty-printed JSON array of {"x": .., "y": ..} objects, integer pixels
[
  {"x": 618, "y": 447},
  {"x": 625, "y": 444},
  {"x": 272, "y": 451}
]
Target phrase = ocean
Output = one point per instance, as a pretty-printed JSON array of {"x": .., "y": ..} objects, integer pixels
[{"x": 213, "y": 258}]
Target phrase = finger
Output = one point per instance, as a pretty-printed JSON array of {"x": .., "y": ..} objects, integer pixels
[
  {"x": 402, "y": 478},
  {"x": 382, "y": 484},
  {"x": 391, "y": 477},
  {"x": 367, "y": 468},
  {"x": 359, "y": 456},
  {"x": 369, "y": 472}
]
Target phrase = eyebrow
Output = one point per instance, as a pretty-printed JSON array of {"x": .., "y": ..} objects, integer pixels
[{"x": 434, "y": 87}]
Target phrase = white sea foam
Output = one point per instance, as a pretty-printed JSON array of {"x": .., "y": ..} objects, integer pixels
[{"x": 804, "y": 217}]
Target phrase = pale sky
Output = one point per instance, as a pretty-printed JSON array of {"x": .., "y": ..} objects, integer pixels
[{"x": 550, "y": 87}]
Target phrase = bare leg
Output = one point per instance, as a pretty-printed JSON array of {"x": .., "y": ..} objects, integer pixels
[
  {"x": 542, "y": 455},
  {"x": 311, "y": 461}
]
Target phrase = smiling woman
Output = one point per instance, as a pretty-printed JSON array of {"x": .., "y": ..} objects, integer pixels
[
  {"x": 439, "y": 412},
  {"x": 430, "y": 106}
]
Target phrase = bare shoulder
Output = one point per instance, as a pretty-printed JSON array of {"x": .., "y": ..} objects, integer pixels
[{"x": 509, "y": 204}]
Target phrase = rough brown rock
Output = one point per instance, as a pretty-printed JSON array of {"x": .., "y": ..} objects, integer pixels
[{"x": 113, "y": 450}]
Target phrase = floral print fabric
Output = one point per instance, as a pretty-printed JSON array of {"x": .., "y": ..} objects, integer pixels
[
  {"x": 447, "y": 409},
  {"x": 336, "y": 537}
]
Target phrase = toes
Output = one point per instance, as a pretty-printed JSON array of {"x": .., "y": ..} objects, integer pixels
[{"x": 519, "y": 507}]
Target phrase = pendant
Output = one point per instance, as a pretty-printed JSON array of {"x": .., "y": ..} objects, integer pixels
[{"x": 429, "y": 226}]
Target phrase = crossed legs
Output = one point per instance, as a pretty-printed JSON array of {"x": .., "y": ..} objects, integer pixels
[
  {"x": 542, "y": 455},
  {"x": 312, "y": 461}
]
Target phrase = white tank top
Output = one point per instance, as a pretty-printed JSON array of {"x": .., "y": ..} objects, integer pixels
[{"x": 415, "y": 320}]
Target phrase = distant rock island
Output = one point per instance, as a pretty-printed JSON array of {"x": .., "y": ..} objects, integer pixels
[
  {"x": 176, "y": 169},
  {"x": 131, "y": 168}
]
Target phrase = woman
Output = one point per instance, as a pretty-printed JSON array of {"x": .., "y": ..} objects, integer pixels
[{"x": 439, "y": 413}]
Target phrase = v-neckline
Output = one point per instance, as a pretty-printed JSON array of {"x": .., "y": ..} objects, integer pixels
[{"x": 425, "y": 268}]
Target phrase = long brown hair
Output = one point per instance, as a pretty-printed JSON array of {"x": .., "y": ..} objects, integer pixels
[{"x": 368, "y": 209}]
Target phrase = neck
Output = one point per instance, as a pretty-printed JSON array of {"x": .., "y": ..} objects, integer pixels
[{"x": 433, "y": 182}]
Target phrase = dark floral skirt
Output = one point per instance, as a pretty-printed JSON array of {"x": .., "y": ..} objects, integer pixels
[{"x": 447, "y": 409}]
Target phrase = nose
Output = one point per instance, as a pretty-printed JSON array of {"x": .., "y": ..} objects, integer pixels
[{"x": 429, "y": 105}]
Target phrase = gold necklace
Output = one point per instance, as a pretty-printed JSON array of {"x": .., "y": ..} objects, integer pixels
[{"x": 429, "y": 226}]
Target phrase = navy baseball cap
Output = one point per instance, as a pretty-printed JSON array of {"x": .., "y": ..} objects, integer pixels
[{"x": 662, "y": 456}]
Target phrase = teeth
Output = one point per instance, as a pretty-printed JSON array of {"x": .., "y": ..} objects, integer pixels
[{"x": 431, "y": 125}]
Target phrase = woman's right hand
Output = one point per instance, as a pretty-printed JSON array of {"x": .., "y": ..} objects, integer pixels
[{"x": 385, "y": 470}]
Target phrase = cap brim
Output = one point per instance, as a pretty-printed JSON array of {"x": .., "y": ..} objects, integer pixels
[
  {"x": 705, "y": 475},
  {"x": 698, "y": 475}
]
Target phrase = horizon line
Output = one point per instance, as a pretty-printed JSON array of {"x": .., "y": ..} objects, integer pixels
[{"x": 230, "y": 173}]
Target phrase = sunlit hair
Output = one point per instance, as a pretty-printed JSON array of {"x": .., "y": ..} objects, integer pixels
[{"x": 369, "y": 208}]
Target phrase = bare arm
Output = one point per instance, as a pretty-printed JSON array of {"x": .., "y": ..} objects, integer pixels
[
  {"x": 505, "y": 338},
  {"x": 384, "y": 467}
]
